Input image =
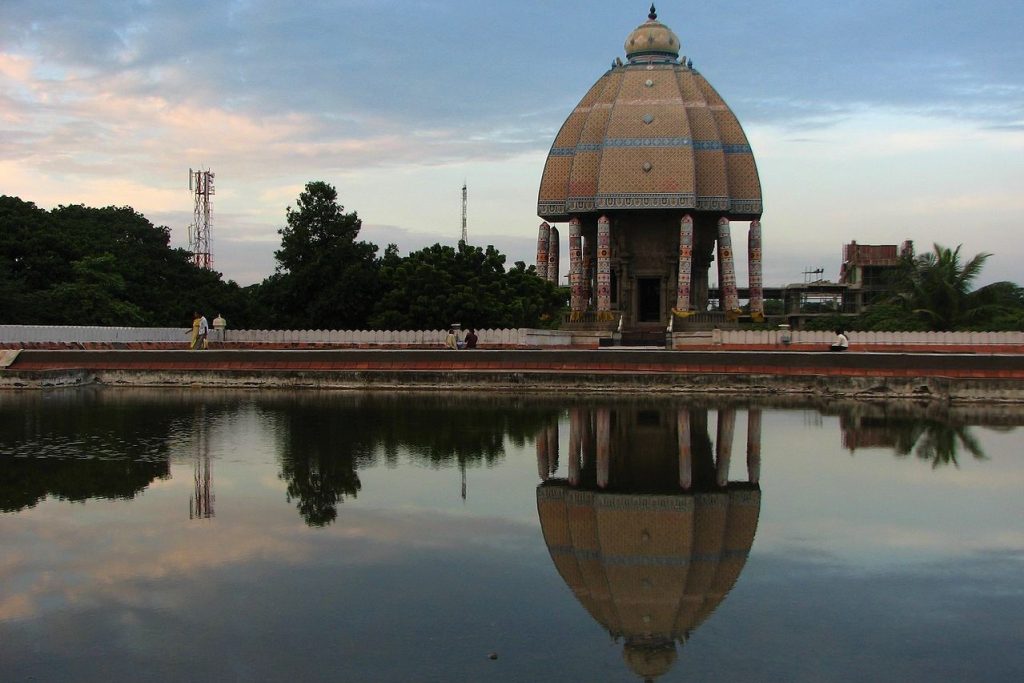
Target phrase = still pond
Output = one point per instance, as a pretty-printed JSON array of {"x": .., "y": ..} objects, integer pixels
[{"x": 202, "y": 535}]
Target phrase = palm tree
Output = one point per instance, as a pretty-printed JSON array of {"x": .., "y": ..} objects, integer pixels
[{"x": 935, "y": 288}]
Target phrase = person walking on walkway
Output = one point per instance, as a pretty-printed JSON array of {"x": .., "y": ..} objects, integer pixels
[{"x": 200, "y": 330}]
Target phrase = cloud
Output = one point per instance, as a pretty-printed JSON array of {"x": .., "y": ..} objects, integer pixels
[{"x": 395, "y": 102}]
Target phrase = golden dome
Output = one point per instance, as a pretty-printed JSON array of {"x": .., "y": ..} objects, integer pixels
[
  {"x": 652, "y": 39},
  {"x": 651, "y": 134}
]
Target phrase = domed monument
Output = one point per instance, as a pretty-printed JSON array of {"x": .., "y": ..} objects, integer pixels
[{"x": 649, "y": 171}]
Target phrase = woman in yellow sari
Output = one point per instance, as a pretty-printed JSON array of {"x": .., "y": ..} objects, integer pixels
[{"x": 199, "y": 331}]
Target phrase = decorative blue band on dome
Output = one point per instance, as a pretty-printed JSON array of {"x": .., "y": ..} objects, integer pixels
[
  {"x": 648, "y": 142},
  {"x": 632, "y": 201},
  {"x": 700, "y": 145}
]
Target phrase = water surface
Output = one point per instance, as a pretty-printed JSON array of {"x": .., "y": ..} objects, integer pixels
[{"x": 243, "y": 536}]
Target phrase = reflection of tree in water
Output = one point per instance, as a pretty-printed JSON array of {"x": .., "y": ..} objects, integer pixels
[
  {"x": 934, "y": 434},
  {"x": 326, "y": 438},
  {"x": 81, "y": 444},
  {"x": 25, "y": 482},
  {"x": 938, "y": 442}
]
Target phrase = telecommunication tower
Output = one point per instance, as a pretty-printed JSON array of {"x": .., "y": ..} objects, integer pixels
[
  {"x": 465, "y": 236},
  {"x": 200, "y": 183}
]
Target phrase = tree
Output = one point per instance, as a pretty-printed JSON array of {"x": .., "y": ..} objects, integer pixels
[
  {"x": 933, "y": 292},
  {"x": 325, "y": 278},
  {"x": 436, "y": 286},
  {"x": 77, "y": 265}
]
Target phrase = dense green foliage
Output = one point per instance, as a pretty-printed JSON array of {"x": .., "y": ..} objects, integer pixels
[
  {"x": 933, "y": 292},
  {"x": 84, "y": 266},
  {"x": 439, "y": 285},
  {"x": 325, "y": 279}
]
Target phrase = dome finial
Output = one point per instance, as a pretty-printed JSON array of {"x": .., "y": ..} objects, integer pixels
[{"x": 654, "y": 13}]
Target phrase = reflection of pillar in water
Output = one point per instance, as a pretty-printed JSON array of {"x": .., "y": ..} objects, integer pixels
[
  {"x": 588, "y": 436},
  {"x": 603, "y": 446},
  {"x": 552, "y": 436},
  {"x": 754, "y": 446},
  {"x": 723, "y": 444},
  {"x": 542, "y": 454},
  {"x": 575, "y": 439},
  {"x": 685, "y": 455}
]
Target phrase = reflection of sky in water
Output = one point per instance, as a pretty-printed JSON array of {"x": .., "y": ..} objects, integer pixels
[{"x": 865, "y": 566}]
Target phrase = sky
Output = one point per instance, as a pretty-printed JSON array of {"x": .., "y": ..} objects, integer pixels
[{"x": 870, "y": 120}]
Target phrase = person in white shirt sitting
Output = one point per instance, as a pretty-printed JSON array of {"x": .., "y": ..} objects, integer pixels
[{"x": 841, "y": 343}]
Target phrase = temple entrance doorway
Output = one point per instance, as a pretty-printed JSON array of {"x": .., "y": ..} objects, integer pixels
[{"x": 648, "y": 295}]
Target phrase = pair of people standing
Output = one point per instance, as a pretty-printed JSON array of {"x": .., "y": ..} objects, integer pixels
[{"x": 201, "y": 330}]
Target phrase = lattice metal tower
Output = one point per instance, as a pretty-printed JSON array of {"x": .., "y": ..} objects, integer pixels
[
  {"x": 200, "y": 183},
  {"x": 465, "y": 236}
]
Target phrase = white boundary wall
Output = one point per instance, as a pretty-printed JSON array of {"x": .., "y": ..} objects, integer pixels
[
  {"x": 14, "y": 334},
  {"x": 520, "y": 337},
  {"x": 775, "y": 337},
  {"x": 71, "y": 334}
]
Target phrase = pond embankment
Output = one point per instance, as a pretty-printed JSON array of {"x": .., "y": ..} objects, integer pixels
[{"x": 952, "y": 377}]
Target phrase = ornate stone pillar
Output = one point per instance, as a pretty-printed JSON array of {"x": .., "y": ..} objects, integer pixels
[
  {"x": 685, "y": 263},
  {"x": 588, "y": 271},
  {"x": 685, "y": 454},
  {"x": 727, "y": 282},
  {"x": 754, "y": 268},
  {"x": 575, "y": 267},
  {"x": 553, "y": 255},
  {"x": 603, "y": 438},
  {"x": 604, "y": 265},
  {"x": 753, "y": 445},
  {"x": 723, "y": 444},
  {"x": 543, "y": 236}
]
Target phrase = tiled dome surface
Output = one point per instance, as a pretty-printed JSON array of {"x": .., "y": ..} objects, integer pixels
[{"x": 651, "y": 134}]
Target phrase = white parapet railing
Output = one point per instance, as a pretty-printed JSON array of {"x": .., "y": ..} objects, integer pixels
[
  {"x": 774, "y": 337},
  {"x": 496, "y": 338},
  {"x": 70, "y": 334}
]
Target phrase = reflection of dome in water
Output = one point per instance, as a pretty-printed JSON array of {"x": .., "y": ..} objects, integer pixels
[{"x": 649, "y": 568}]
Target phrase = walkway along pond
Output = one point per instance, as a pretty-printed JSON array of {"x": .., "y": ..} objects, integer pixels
[{"x": 868, "y": 376}]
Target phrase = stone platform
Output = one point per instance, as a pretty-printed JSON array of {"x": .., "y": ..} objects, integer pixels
[{"x": 869, "y": 376}]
